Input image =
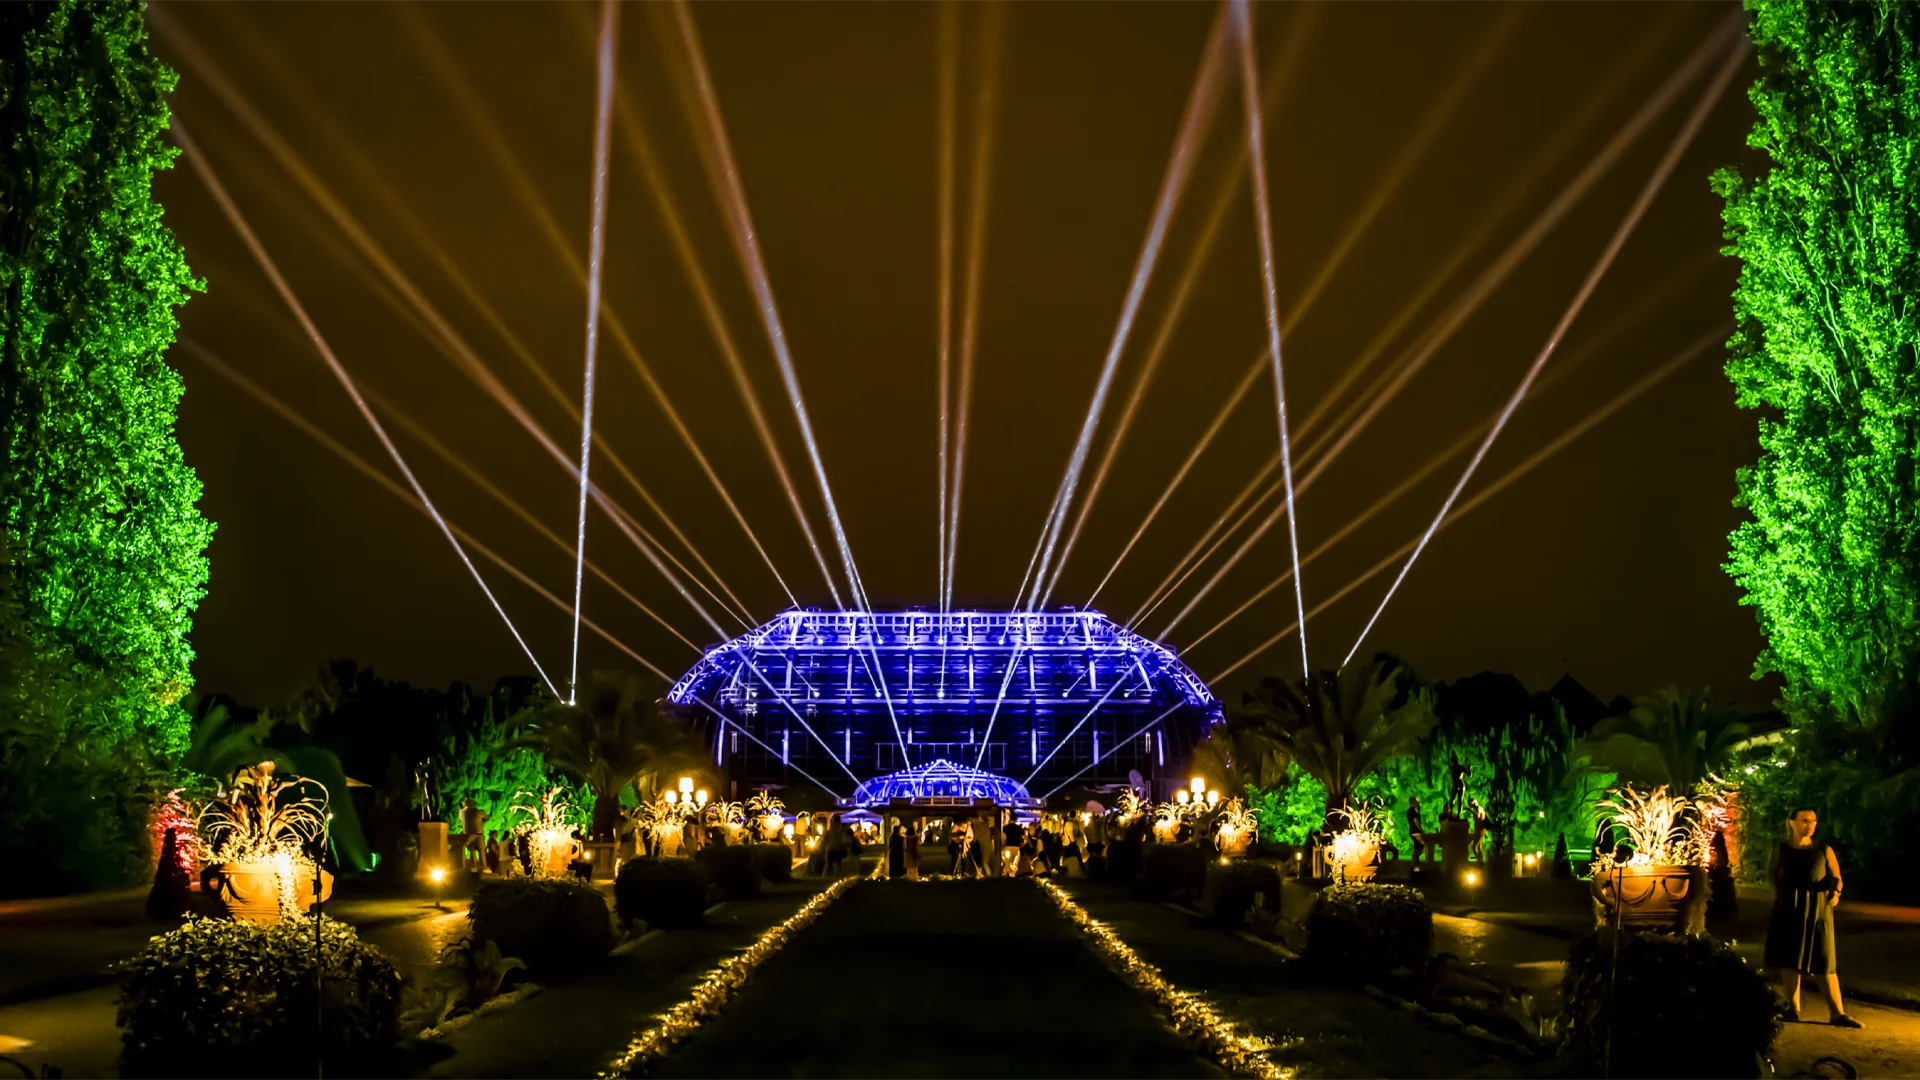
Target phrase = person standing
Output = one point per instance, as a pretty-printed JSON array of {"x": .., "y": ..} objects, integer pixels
[
  {"x": 1416, "y": 831},
  {"x": 1806, "y": 889},
  {"x": 897, "y": 852}
]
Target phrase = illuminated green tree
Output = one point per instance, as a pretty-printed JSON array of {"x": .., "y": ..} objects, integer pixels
[
  {"x": 1829, "y": 240},
  {"x": 97, "y": 498}
]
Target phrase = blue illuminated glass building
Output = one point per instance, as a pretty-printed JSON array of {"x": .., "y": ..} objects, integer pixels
[{"x": 1047, "y": 699}]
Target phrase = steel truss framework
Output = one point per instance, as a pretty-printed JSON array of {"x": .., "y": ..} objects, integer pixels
[{"x": 814, "y": 689}]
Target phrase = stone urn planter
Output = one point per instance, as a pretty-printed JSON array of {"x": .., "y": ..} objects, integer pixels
[
  {"x": 1649, "y": 897},
  {"x": 1363, "y": 866},
  {"x": 252, "y": 891},
  {"x": 1236, "y": 847}
]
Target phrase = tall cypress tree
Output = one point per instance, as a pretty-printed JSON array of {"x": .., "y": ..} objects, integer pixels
[
  {"x": 1829, "y": 239},
  {"x": 98, "y": 504}
]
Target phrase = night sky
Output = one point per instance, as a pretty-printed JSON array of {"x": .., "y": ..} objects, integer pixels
[{"x": 1604, "y": 562}]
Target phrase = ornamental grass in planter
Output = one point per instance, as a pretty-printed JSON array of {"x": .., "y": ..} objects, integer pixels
[
  {"x": 1363, "y": 932},
  {"x": 1675, "y": 1005},
  {"x": 223, "y": 998},
  {"x": 258, "y": 835},
  {"x": 555, "y": 926}
]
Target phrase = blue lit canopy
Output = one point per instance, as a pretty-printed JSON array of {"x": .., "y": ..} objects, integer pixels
[
  {"x": 942, "y": 779},
  {"x": 1045, "y": 697}
]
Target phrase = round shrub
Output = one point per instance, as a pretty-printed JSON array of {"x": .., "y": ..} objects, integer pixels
[
  {"x": 1680, "y": 1006},
  {"x": 221, "y": 998},
  {"x": 774, "y": 861},
  {"x": 1170, "y": 870},
  {"x": 665, "y": 894},
  {"x": 554, "y": 926},
  {"x": 1232, "y": 889},
  {"x": 1123, "y": 861},
  {"x": 1360, "y": 932},
  {"x": 733, "y": 869}
]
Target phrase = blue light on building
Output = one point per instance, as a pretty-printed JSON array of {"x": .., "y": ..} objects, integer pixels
[{"x": 1037, "y": 696}]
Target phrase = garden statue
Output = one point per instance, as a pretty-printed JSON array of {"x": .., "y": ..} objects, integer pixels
[
  {"x": 1457, "y": 791},
  {"x": 473, "y": 824}
]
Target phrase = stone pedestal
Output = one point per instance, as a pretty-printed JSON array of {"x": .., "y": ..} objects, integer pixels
[
  {"x": 1455, "y": 839},
  {"x": 433, "y": 846},
  {"x": 603, "y": 854}
]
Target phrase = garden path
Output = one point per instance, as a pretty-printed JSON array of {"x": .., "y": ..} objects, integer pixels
[{"x": 957, "y": 978}]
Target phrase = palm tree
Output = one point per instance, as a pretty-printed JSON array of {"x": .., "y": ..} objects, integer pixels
[
  {"x": 1339, "y": 725},
  {"x": 1673, "y": 738},
  {"x": 615, "y": 736},
  {"x": 1238, "y": 752}
]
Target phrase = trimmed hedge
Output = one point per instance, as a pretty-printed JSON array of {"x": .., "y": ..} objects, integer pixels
[
  {"x": 1170, "y": 870},
  {"x": 1231, "y": 890},
  {"x": 1360, "y": 932},
  {"x": 1124, "y": 858},
  {"x": 665, "y": 894},
  {"x": 221, "y": 998},
  {"x": 774, "y": 861},
  {"x": 554, "y": 926},
  {"x": 734, "y": 869},
  {"x": 1679, "y": 1005}
]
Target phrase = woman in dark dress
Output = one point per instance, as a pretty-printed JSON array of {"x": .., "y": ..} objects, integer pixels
[{"x": 1806, "y": 889}]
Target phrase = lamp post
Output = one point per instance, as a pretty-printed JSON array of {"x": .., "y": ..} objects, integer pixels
[{"x": 438, "y": 875}]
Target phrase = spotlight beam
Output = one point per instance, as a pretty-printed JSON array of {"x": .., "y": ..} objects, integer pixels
[
  {"x": 985, "y": 109},
  {"x": 717, "y": 152},
  {"x": 1681, "y": 142},
  {"x": 596, "y": 251},
  {"x": 1470, "y": 301},
  {"x": 367, "y": 469},
  {"x": 1515, "y": 190},
  {"x": 373, "y": 178},
  {"x": 1613, "y": 329},
  {"x": 728, "y": 722},
  {"x": 444, "y": 334},
  {"x": 1199, "y": 113},
  {"x": 1142, "y": 730},
  {"x": 1717, "y": 335},
  {"x": 259, "y": 252},
  {"x": 1279, "y": 76},
  {"x": 1075, "y": 730},
  {"x": 640, "y": 144},
  {"x": 946, "y": 108},
  {"x": 508, "y": 161},
  {"x": 1263, "y": 213}
]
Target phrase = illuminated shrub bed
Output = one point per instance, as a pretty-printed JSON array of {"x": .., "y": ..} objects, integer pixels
[
  {"x": 220, "y": 998},
  {"x": 1174, "y": 870},
  {"x": 1679, "y": 1006},
  {"x": 1233, "y": 889},
  {"x": 1363, "y": 932},
  {"x": 554, "y": 926},
  {"x": 733, "y": 869},
  {"x": 774, "y": 861},
  {"x": 665, "y": 894}
]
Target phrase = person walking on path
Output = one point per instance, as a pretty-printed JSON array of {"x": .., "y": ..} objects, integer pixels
[
  {"x": 1806, "y": 889},
  {"x": 897, "y": 853}
]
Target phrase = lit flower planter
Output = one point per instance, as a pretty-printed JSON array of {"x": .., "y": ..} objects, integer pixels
[{"x": 1663, "y": 885}]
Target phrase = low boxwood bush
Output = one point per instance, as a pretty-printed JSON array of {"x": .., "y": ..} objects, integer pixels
[
  {"x": 1231, "y": 890},
  {"x": 1123, "y": 861},
  {"x": 222, "y": 998},
  {"x": 1359, "y": 932},
  {"x": 1679, "y": 1005},
  {"x": 554, "y": 926},
  {"x": 774, "y": 861},
  {"x": 1170, "y": 870},
  {"x": 734, "y": 869},
  {"x": 665, "y": 894}
]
